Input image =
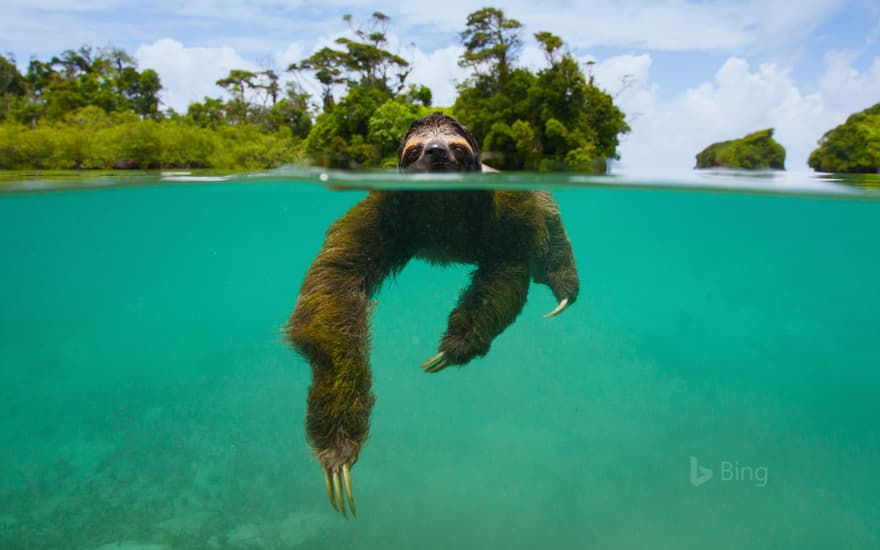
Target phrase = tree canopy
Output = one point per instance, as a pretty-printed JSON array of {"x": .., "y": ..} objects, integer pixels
[
  {"x": 555, "y": 119},
  {"x": 91, "y": 108},
  {"x": 755, "y": 151},
  {"x": 106, "y": 78},
  {"x": 854, "y": 146}
]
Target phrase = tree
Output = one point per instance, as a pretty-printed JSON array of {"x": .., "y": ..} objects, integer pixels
[
  {"x": 211, "y": 113},
  {"x": 13, "y": 86},
  {"x": 327, "y": 65},
  {"x": 367, "y": 57},
  {"x": 364, "y": 61},
  {"x": 553, "y": 120},
  {"x": 490, "y": 39},
  {"x": 419, "y": 94},
  {"x": 757, "y": 150},
  {"x": 237, "y": 82},
  {"x": 854, "y": 146},
  {"x": 343, "y": 135},
  {"x": 106, "y": 78},
  {"x": 550, "y": 42},
  {"x": 269, "y": 83},
  {"x": 388, "y": 124},
  {"x": 143, "y": 93}
]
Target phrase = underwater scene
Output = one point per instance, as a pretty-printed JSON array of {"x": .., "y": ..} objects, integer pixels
[{"x": 714, "y": 386}]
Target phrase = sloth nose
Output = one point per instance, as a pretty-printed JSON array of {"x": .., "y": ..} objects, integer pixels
[{"x": 436, "y": 150}]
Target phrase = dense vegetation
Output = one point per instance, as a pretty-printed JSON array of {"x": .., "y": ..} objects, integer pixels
[
  {"x": 755, "y": 151},
  {"x": 554, "y": 119},
  {"x": 854, "y": 146},
  {"x": 95, "y": 109}
]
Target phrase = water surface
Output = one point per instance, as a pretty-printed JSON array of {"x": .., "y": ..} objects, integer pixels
[{"x": 147, "y": 400}]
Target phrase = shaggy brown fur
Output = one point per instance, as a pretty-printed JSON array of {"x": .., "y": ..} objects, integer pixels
[{"x": 511, "y": 236}]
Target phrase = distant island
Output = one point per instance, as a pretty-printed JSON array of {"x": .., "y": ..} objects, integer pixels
[
  {"x": 854, "y": 146},
  {"x": 756, "y": 151}
]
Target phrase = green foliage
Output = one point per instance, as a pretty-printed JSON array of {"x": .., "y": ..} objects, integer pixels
[
  {"x": 755, "y": 151},
  {"x": 362, "y": 128},
  {"x": 419, "y": 94},
  {"x": 490, "y": 40},
  {"x": 339, "y": 139},
  {"x": 13, "y": 86},
  {"x": 92, "y": 139},
  {"x": 106, "y": 78},
  {"x": 853, "y": 147},
  {"x": 388, "y": 124},
  {"x": 363, "y": 62},
  {"x": 551, "y": 43},
  {"x": 327, "y": 65},
  {"x": 553, "y": 120},
  {"x": 94, "y": 109}
]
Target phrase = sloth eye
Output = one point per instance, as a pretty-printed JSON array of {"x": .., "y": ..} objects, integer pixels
[
  {"x": 412, "y": 154},
  {"x": 459, "y": 149}
]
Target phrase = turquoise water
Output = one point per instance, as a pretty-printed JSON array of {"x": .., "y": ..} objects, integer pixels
[{"x": 147, "y": 400}]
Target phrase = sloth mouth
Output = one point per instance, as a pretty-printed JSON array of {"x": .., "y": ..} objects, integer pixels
[
  {"x": 436, "y": 165},
  {"x": 443, "y": 166}
]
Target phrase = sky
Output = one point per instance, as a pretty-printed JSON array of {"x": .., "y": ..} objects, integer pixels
[{"x": 687, "y": 73}]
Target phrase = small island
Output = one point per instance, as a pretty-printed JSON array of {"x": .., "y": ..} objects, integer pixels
[
  {"x": 756, "y": 151},
  {"x": 852, "y": 147}
]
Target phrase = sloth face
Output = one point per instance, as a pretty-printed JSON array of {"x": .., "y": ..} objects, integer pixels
[{"x": 438, "y": 143}]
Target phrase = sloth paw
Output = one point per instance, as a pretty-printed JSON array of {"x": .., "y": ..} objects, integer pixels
[
  {"x": 337, "y": 476},
  {"x": 457, "y": 350}
]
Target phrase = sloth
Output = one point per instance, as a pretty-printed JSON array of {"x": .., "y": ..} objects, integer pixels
[{"x": 512, "y": 237}]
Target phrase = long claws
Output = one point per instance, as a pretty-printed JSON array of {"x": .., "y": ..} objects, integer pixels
[
  {"x": 562, "y": 305},
  {"x": 337, "y": 493},
  {"x": 334, "y": 490},
  {"x": 330, "y": 490},
  {"x": 346, "y": 476},
  {"x": 435, "y": 363}
]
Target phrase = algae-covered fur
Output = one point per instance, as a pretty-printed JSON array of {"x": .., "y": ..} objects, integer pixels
[{"x": 511, "y": 236}]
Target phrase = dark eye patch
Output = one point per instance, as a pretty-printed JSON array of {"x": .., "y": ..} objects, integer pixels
[
  {"x": 460, "y": 149},
  {"x": 412, "y": 154}
]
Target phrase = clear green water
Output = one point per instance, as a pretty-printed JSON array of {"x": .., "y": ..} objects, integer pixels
[{"x": 147, "y": 401}]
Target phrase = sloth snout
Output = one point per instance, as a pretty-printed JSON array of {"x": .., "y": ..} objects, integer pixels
[{"x": 436, "y": 151}]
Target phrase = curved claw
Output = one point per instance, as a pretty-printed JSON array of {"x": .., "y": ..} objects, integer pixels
[
  {"x": 337, "y": 492},
  {"x": 334, "y": 490},
  {"x": 435, "y": 363},
  {"x": 562, "y": 305},
  {"x": 346, "y": 475},
  {"x": 330, "y": 490}
]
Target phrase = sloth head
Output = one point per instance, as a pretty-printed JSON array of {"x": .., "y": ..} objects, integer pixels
[{"x": 438, "y": 143}]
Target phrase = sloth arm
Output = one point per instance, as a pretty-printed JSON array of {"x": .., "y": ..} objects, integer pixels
[
  {"x": 329, "y": 326},
  {"x": 556, "y": 268},
  {"x": 496, "y": 295}
]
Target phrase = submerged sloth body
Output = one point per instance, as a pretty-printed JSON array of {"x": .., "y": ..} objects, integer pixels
[{"x": 511, "y": 236}]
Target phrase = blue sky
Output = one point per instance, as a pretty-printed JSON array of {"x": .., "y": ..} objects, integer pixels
[{"x": 700, "y": 71}]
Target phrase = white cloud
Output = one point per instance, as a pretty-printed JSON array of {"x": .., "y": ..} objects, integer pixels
[
  {"x": 622, "y": 75},
  {"x": 189, "y": 74},
  {"x": 666, "y": 135},
  {"x": 672, "y": 25},
  {"x": 439, "y": 71},
  {"x": 845, "y": 86},
  {"x": 292, "y": 54}
]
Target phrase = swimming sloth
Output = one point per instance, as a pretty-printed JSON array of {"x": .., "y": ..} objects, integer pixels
[{"x": 511, "y": 236}]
